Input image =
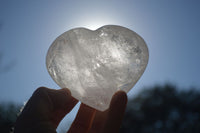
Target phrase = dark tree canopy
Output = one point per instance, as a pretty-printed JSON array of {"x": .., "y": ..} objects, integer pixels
[
  {"x": 163, "y": 109},
  {"x": 8, "y": 116}
]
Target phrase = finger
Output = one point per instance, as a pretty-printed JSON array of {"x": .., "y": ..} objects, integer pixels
[
  {"x": 115, "y": 113},
  {"x": 83, "y": 120},
  {"x": 62, "y": 103},
  {"x": 62, "y": 99},
  {"x": 99, "y": 121},
  {"x": 40, "y": 108},
  {"x": 48, "y": 105}
]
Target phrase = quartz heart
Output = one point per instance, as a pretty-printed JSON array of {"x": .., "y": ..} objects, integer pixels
[{"x": 96, "y": 64}]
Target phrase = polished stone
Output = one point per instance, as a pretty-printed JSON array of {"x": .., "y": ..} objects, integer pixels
[{"x": 96, "y": 64}]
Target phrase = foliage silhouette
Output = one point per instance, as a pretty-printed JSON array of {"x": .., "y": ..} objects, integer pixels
[
  {"x": 8, "y": 116},
  {"x": 163, "y": 109}
]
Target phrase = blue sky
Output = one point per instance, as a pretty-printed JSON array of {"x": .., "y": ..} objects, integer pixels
[{"x": 170, "y": 28}]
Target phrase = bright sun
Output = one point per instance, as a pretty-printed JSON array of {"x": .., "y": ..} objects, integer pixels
[{"x": 95, "y": 23}]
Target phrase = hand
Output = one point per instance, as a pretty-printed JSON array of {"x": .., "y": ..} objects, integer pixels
[{"x": 47, "y": 107}]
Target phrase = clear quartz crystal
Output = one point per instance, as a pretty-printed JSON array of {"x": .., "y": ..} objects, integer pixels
[{"x": 96, "y": 64}]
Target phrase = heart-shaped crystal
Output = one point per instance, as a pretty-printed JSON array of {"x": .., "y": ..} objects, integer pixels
[{"x": 96, "y": 64}]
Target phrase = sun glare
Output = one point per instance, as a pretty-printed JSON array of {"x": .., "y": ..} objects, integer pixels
[
  {"x": 93, "y": 25},
  {"x": 96, "y": 23}
]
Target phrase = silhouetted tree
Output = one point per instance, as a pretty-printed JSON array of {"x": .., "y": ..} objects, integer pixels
[
  {"x": 163, "y": 109},
  {"x": 8, "y": 116}
]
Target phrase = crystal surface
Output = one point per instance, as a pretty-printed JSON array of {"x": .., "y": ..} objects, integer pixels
[{"x": 96, "y": 64}]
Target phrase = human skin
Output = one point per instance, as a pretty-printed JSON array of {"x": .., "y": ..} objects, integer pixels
[{"x": 47, "y": 107}]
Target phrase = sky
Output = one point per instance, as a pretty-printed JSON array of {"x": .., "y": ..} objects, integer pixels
[{"x": 27, "y": 28}]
